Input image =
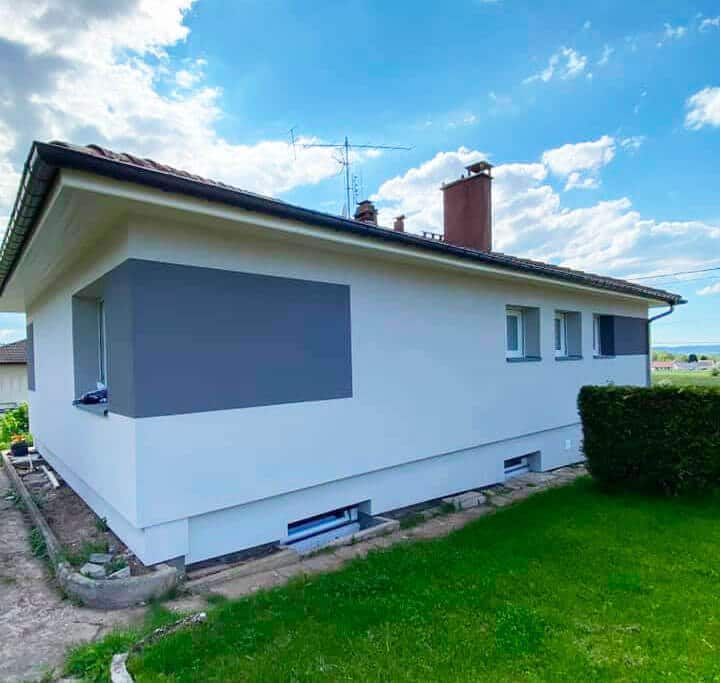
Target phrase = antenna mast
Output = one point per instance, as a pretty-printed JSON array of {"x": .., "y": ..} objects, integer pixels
[{"x": 344, "y": 149}]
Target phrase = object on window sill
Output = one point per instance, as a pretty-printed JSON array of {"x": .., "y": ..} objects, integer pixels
[{"x": 93, "y": 397}]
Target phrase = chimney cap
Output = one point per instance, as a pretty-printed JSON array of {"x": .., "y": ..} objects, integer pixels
[{"x": 479, "y": 167}]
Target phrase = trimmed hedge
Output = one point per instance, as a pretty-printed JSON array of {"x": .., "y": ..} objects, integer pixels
[{"x": 658, "y": 439}]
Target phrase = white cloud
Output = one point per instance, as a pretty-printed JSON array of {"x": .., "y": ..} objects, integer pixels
[
  {"x": 632, "y": 143},
  {"x": 88, "y": 71},
  {"x": 606, "y": 54},
  {"x": 672, "y": 33},
  {"x": 407, "y": 193},
  {"x": 708, "y": 24},
  {"x": 703, "y": 109},
  {"x": 587, "y": 25},
  {"x": 710, "y": 289},
  {"x": 675, "y": 32},
  {"x": 581, "y": 162},
  {"x": 565, "y": 64},
  {"x": 530, "y": 220}
]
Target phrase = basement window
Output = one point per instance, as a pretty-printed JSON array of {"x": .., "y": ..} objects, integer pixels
[
  {"x": 314, "y": 532},
  {"x": 514, "y": 467},
  {"x": 522, "y": 333}
]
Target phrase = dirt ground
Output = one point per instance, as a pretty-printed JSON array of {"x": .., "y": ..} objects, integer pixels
[
  {"x": 37, "y": 624},
  {"x": 74, "y": 524}
]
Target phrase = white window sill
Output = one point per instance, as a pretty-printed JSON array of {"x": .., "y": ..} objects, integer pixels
[
  {"x": 563, "y": 358},
  {"x": 523, "y": 359}
]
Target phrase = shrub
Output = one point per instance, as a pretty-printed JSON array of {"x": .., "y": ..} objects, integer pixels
[
  {"x": 659, "y": 439},
  {"x": 14, "y": 422}
]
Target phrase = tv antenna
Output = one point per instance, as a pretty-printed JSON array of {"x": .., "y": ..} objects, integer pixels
[{"x": 343, "y": 159}]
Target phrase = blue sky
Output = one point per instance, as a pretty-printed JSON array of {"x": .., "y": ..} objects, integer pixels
[{"x": 603, "y": 118}]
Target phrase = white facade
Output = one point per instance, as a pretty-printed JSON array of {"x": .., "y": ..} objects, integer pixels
[
  {"x": 436, "y": 407},
  {"x": 13, "y": 384}
]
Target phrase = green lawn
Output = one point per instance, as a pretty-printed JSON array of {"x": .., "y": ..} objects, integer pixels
[
  {"x": 681, "y": 378},
  {"x": 570, "y": 585}
]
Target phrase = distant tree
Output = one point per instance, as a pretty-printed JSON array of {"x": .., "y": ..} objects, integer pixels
[
  {"x": 704, "y": 357},
  {"x": 692, "y": 358},
  {"x": 663, "y": 355}
]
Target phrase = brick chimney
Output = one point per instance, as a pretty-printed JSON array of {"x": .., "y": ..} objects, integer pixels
[
  {"x": 366, "y": 212},
  {"x": 399, "y": 224},
  {"x": 467, "y": 206}
]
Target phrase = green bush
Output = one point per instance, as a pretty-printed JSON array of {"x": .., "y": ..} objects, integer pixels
[
  {"x": 659, "y": 439},
  {"x": 14, "y": 422}
]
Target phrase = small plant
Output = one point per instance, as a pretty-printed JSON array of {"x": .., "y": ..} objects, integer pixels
[
  {"x": 38, "y": 546},
  {"x": 79, "y": 558},
  {"x": 117, "y": 564},
  {"x": 15, "y": 423},
  {"x": 101, "y": 524}
]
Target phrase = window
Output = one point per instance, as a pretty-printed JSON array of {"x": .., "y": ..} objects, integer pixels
[
  {"x": 568, "y": 335},
  {"x": 560, "y": 335},
  {"x": 596, "y": 335},
  {"x": 514, "y": 333},
  {"x": 102, "y": 347},
  {"x": 522, "y": 333}
]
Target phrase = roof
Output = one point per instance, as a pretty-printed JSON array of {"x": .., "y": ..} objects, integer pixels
[
  {"x": 14, "y": 352},
  {"x": 46, "y": 159},
  {"x": 662, "y": 364}
]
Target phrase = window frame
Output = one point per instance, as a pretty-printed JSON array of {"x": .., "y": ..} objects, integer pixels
[
  {"x": 560, "y": 317},
  {"x": 597, "y": 346},
  {"x": 518, "y": 314},
  {"x": 102, "y": 342}
]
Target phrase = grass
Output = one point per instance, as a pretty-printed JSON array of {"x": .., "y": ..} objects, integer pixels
[
  {"x": 682, "y": 378},
  {"x": 569, "y": 585}
]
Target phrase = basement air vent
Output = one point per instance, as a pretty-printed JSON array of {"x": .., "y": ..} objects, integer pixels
[{"x": 514, "y": 467}]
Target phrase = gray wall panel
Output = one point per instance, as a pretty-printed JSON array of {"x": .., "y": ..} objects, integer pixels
[
  {"x": 182, "y": 339},
  {"x": 210, "y": 339}
]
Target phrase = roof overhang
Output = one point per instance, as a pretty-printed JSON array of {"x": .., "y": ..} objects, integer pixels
[{"x": 54, "y": 172}]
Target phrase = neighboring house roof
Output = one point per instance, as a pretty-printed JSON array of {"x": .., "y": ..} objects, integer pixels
[
  {"x": 14, "y": 353},
  {"x": 46, "y": 159},
  {"x": 662, "y": 364}
]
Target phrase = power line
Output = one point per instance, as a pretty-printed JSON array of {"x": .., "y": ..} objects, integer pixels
[{"x": 680, "y": 272}]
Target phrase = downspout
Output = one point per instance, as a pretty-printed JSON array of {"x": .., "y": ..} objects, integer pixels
[{"x": 651, "y": 320}]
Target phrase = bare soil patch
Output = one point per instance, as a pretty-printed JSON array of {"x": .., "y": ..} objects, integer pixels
[{"x": 80, "y": 531}]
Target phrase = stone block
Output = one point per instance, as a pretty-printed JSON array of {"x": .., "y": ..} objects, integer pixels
[
  {"x": 100, "y": 558},
  {"x": 93, "y": 571}
]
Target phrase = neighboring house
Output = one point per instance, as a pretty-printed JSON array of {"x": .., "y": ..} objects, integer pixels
[
  {"x": 662, "y": 365},
  {"x": 13, "y": 375},
  {"x": 267, "y": 364},
  {"x": 696, "y": 365}
]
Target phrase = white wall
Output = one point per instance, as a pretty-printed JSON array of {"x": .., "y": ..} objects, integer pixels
[
  {"x": 98, "y": 452},
  {"x": 13, "y": 384},
  {"x": 435, "y": 407},
  {"x": 429, "y": 377}
]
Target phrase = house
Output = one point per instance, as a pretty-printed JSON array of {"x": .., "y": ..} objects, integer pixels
[
  {"x": 268, "y": 365},
  {"x": 13, "y": 375},
  {"x": 693, "y": 365},
  {"x": 662, "y": 365}
]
